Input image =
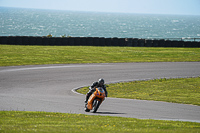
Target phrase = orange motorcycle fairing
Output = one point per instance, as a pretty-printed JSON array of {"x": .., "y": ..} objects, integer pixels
[
  {"x": 90, "y": 101},
  {"x": 99, "y": 94}
]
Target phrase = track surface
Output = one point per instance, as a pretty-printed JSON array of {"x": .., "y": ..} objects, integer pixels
[{"x": 49, "y": 88}]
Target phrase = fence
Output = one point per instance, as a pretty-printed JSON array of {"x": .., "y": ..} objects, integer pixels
[{"x": 95, "y": 41}]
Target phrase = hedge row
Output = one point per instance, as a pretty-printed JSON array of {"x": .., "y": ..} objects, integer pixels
[{"x": 94, "y": 41}]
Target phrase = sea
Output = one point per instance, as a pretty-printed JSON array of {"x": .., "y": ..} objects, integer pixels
[{"x": 42, "y": 22}]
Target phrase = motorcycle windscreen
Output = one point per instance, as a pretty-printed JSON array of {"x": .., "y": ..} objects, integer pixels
[{"x": 101, "y": 90}]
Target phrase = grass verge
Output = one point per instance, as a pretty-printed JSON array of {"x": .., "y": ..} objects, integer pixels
[
  {"x": 19, "y": 121},
  {"x": 12, "y": 55},
  {"x": 181, "y": 90}
]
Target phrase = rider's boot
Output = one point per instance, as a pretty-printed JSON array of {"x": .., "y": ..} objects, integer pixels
[{"x": 86, "y": 100}]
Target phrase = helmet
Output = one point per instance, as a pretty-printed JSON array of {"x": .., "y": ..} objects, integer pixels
[{"x": 101, "y": 82}]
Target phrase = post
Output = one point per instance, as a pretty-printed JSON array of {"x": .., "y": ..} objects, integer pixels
[
  {"x": 135, "y": 42},
  {"x": 89, "y": 41},
  {"x": 96, "y": 41},
  {"x": 115, "y": 41},
  {"x": 108, "y": 41},
  {"x": 101, "y": 41},
  {"x": 148, "y": 43}
]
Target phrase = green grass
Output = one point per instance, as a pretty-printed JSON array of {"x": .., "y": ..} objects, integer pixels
[
  {"x": 182, "y": 90},
  {"x": 19, "y": 121},
  {"x": 12, "y": 55}
]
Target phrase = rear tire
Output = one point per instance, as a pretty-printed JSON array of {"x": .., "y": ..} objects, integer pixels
[{"x": 86, "y": 109}]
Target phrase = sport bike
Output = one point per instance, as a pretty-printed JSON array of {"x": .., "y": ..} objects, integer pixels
[{"x": 95, "y": 100}]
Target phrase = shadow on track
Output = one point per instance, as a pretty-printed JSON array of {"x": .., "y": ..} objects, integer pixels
[{"x": 108, "y": 113}]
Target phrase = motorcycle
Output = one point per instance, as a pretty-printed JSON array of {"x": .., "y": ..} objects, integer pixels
[{"x": 95, "y": 100}]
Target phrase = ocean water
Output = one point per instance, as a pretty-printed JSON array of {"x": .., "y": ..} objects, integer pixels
[{"x": 38, "y": 22}]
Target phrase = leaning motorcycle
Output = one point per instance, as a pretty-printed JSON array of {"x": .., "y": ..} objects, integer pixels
[{"x": 95, "y": 100}]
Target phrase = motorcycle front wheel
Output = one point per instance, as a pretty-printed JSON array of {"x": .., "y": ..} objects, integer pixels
[{"x": 96, "y": 105}]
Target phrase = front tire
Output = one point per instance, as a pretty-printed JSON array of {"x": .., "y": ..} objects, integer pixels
[{"x": 96, "y": 105}]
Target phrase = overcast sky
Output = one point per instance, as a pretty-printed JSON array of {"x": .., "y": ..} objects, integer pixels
[{"x": 183, "y": 7}]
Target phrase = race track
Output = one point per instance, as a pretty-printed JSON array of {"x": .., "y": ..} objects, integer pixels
[{"x": 49, "y": 88}]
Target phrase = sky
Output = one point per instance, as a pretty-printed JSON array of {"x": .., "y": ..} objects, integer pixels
[{"x": 180, "y": 7}]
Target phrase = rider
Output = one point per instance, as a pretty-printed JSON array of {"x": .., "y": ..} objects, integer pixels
[{"x": 92, "y": 88}]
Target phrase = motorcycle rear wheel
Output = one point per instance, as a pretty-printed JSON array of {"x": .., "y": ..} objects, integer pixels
[{"x": 86, "y": 109}]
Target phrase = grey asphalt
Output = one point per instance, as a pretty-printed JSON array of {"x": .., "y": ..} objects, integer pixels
[{"x": 49, "y": 88}]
